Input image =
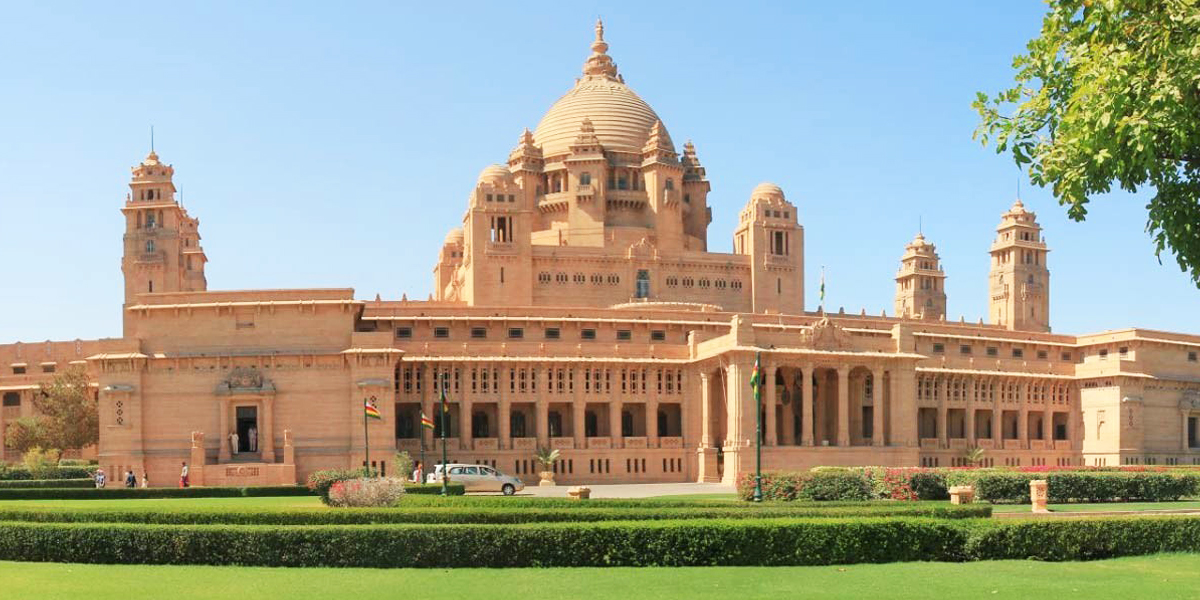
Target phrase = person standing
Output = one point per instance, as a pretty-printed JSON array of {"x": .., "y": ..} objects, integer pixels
[
  {"x": 183, "y": 476},
  {"x": 253, "y": 435},
  {"x": 233, "y": 443},
  {"x": 418, "y": 475},
  {"x": 99, "y": 478},
  {"x": 130, "y": 479},
  {"x": 145, "y": 480}
]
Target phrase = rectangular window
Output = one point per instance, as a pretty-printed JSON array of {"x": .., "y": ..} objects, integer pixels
[
  {"x": 964, "y": 349},
  {"x": 587, "y": 334},
  {"x": 1192, "y": 357},
  {"x": 18, "y": 370},
  {"x": 552, "y": 333},
  {"x": 624, "y": 335},
  {"x": 48, "y": 368},
  {"x": 1104, "y": 354},
  {"x": 1018, "y": 353},
  {"x": 939, "y": 348},
  {"x": 478, "y": 333},
  {"x": 993, "y": 351},
  {"x": 404, "y": 333},
  {"x": 12, "y": 399},
  {"x": 658, "y": 335},
  {"x": 515, "y": 333},
  {"x": 1123, "y": 351},
  {"x": 441, "y": 332},
  {"x": 1066, "y": 356},
  {"x": 1043, "y": 355}
]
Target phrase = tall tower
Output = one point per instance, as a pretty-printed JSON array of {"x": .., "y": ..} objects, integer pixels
[
  {"x": 770, "y": 232},
  {"x": 1020, "y": 279},
  {"x": 162, "y": 243},
  {"x": 920, "y": 283}
]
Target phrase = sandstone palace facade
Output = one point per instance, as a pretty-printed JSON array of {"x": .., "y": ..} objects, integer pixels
[{"x": 578, "y": 307}]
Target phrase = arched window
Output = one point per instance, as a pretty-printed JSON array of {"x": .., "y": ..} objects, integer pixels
[
  {"x": 149, "y": 246},
  {"x": 585, "y": 179},
  {"x": 670, "y": 184}
]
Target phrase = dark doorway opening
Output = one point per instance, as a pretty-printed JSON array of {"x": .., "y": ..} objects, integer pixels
[{"x": 247, "y": 428}]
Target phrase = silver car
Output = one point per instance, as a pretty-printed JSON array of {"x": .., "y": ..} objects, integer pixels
[{"x": 479, "y": 478}]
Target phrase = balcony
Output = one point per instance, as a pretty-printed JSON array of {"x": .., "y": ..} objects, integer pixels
[
  {"x": 670, "y": 442},
  {"x": 486, "y": 444},
  {"x": 562, "y": 443},
  {"x": 1037, "y": 444},
  {"x": 500, "y": 249},
  {"x": 986, "y": 443},
  {"x": 451, "y": 444},
  {"x": 599, "y": 443},
  {"x": 1062, "y": 444},
  {"x": 409, "y": 444},
  {"x": 929, "y": 443},
  {"x": 635, "y": 442},
  {"x": 1012, "y": 445},
  {"x": 958, "y": 443}
]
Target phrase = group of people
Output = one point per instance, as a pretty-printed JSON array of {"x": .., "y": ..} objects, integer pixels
[{"x": 131, "y": 480}]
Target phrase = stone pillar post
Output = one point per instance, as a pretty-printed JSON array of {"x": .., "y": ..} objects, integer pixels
[
  {"x": 652, "y": 415},
  {"x": 789, "y": 410},
  {"x": 843, "y": 402},
  {"x": 465, "y": 411},
  {"x": 266, "y": 437},
  {"x": 706, "y": 432},
  {"x": 578, "y": 407},
  {"x": 615, "y": 409},
  {"x": 806, "y": 415},
  {"x": 1023, "y": 419},
  {"x": 972, "y": 393},
  {"x": 504, "y": 409},
  {"x": 542, "y": 408},
  {"x": 943, "y": 433},
  {"x": 769, "y": 438},
  {"x": 1183, "y": 433},
  {"x": 997, "y": 414},
  {"x": 904, "y": 407},
  {"x": 877, "y": 399},
  {"x": 223, "y": 432},
  {"x": 425, "y": 376}
]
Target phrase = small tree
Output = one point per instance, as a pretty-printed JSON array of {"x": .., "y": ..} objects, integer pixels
[
  {"x": 67, "y": 415},
  {"x": 974, "y": 456},
  {"x": 547, "y": 457},
  {"x": 404, "y": 464},
  {"x": 24, "y": 434}
]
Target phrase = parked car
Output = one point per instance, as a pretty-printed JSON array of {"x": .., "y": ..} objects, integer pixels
[{"x": 478, "y": 478}]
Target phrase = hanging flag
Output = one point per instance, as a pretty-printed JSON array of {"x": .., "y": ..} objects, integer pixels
[
  {"x": 756, "y": 377},
  {"x": 426, "y": 421},
  {"x": 370, "y": 409},
  {"x": 822, "y": 285}
]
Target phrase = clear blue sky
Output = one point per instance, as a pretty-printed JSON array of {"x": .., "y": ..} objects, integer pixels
[{"x": 334, "y": 144}]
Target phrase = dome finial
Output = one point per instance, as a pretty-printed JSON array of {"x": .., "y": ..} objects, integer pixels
[{"x": 600, "y": 63}]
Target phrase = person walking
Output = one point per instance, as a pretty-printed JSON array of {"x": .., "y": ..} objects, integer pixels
[
  {"x": 183, "y": 476},
  {"x": 145, "y": 480},
  {"x": 99, "y": 478},
  {"x": 130, "y": 479},
  {"x": 418, "y": 474}
]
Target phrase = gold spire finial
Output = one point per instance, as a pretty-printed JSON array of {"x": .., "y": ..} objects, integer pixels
[{"x": 600, "y": 63}]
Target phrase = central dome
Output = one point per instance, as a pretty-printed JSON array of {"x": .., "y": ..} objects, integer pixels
[{"x": 622, "y": 119}]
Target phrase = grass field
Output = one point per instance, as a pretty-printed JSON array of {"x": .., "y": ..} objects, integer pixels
[{"x": 1160, "y": 576}]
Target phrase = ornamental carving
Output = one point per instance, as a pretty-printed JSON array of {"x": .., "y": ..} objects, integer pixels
[
  {"x": 824, "y": 335},
  {"x": 245, "y": 380},
  {"x": 1190, "y": 400}
]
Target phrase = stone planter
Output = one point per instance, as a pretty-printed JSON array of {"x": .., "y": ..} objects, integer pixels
[{"x": 547, "y": 479}]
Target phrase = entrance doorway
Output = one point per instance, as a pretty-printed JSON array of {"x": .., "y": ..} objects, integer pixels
[{"x": 247, "y": 428}]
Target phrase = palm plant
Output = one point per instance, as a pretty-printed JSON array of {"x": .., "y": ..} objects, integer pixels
[
  {"x": 974, "y": 456},
  {"x": 546, "y": 457}
]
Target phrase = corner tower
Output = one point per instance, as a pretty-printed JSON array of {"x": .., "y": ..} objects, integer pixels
[
  {"x": 769, "y": 231},
  {"x": 920, "y": 283},
  {"x": 1019, "y": 279},
  {"x": 162, "y": 243}
]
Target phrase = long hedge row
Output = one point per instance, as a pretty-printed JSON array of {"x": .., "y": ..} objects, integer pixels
[
  {"x": 8, "y": 473},
  {"x": 470, "y": 515},
  {"x": 114, "y": 493},
  {"x": 765, "y": 542},
  {"x": 25, "y": 484},
  {"x": 991, "y": 485}
]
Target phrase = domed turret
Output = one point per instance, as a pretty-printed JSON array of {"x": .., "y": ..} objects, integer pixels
[{"x": 495, "y": 174}]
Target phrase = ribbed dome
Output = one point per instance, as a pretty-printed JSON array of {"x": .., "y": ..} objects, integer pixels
[
  {"x": 494, "y": 173},
  {"x": 621, "y": 119},
  {"x": 454, "y": 237},
  {"x": 767, "y": 190}
]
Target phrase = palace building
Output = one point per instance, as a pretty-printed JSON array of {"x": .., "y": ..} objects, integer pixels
[{"x": 578, "y": 307}]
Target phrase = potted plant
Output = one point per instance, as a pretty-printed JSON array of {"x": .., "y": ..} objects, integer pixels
[
  {"x": 546, "y": 457},
  {"x": 974, "y": 456}
]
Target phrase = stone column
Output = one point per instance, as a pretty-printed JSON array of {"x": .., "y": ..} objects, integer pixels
[
  {"x": 843, "y": 401},
  {"x": 266, "y": 435},
  {"x": 1183, "y": 437},
  {"x": 223, "y": 431},
  {"x": 652, "y": 416},
  {"x": 997, "y": 415},
  {"x": 504, "y": 410},
  {"x": 465, "y": 435},
  {"x": 615, "y": 408},
  {"x": 877, "y": 399},
  {"x": 769, "y": 406},
  {"x": 1023, "y": 419},
  {"x": 972, "y": 392},
  {"x": 542, "y": 408},
  {"x": 706, "y": 432},
  {"x": 903, "y": 403},
  {"x": 806, "y": 415},
  {"x": 943, "y": 433},
  {"x": 578, "y": 407},
  {"x": 789, "y": 410},
  {"x": 425, "y": 376}
]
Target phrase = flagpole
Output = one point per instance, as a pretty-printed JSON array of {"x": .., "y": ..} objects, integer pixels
[
  {"x": 445, "y": 469},
  {"x": 758, "y": 430}
]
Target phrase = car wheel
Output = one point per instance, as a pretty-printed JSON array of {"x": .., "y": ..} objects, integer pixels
[{"x": 508, "y": 489}]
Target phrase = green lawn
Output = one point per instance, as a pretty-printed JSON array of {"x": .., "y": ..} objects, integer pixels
[
  {"x": 215, "y": 504},
  {"x": 1161, "y": 576},
  {"x": 1101, "y": 506}
]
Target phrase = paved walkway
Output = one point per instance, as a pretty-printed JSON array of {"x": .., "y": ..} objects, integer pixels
[{"x": 631, "y": 490}]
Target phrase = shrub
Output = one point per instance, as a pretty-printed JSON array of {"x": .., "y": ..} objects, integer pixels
[
  {"x": 366, "y": 492},
  {"x": 319, "y": 482},
  {"x": 47, "y": 483},
  {"x": 403, "y": 464},
  {"x": 644, "y": 543},
  {"x": 776, "y": 485},
  {"x": 61, "y": 472},
  {"x": 1084, "y": 539},
  {"x": 930, "y": 485},
  {"x": 121, "y": 492},
  {"x": 835, "y": 485},
  {"x": 41, "y": 463}
]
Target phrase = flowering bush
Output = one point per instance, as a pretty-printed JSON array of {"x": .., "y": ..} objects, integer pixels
[
  {"x": 321, "y": 481},
  {"x": 366, "y": 492}
]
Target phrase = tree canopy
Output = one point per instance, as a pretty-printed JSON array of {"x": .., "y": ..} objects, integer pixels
[
  {"x": 66, "y": 415},
  {"x": 1109, "y": 94}
]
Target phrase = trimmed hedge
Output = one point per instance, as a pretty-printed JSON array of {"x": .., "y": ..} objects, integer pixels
[
  {"x": 26, "y": 484},
  {"x": 191, "y": 492},
  {"x": 699, "y": 542},
  {"x": 61, "y": 472},
  {"x": 464, "y": 515},
  {"x": 1066, "y": 486},
  {"x": 646, "y": 543}
]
